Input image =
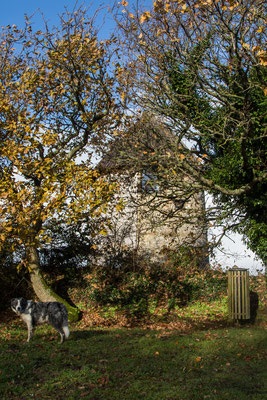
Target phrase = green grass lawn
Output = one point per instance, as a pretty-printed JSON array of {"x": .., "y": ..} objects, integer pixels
[{"x": 219, "y": 363}]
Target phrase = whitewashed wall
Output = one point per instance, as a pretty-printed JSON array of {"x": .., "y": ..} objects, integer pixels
[{"x": 135, "y": 229}]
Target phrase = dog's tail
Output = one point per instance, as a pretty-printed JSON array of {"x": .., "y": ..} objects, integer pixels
[{"x": 66, "y": 331}]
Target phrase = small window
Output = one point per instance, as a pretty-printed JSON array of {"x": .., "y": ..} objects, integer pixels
[{"x": 149, "y": 183}]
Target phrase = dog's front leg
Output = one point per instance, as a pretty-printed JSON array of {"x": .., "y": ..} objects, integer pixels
[{"x": 30, "y": 331}]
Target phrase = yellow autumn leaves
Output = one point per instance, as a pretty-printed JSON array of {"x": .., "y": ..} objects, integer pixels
[
  {"x": 145, "y": 16},
  {"x": 56, "y": 98}
]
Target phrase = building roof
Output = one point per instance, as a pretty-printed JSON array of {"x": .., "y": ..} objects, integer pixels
[{"x": 129, "y": 149}]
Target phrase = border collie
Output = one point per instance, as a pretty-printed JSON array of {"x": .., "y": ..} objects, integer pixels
[{"x": 33, "y": 314}]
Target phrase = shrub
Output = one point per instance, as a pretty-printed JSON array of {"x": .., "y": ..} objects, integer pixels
[
  {"x": 133, "y": 288},
  {"x": 258, "y": 285}
]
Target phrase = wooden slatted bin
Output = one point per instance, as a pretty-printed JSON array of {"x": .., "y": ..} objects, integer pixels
[{"x": 238, "y": 294}]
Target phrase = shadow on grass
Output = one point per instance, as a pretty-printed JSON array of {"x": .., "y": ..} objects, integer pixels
[{"x": 88, "y": 334}]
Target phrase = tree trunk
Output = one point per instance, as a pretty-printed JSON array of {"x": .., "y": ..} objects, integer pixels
[{"x": 41, "y": 289}]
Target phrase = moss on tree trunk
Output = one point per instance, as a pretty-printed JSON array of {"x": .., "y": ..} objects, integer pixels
[{"x": 41, "y": 289}]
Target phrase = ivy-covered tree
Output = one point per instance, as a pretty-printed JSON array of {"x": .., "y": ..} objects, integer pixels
[{"x": 200, "y": 66}]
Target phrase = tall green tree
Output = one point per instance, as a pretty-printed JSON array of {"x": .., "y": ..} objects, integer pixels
[{"x": 200, "y": 66}]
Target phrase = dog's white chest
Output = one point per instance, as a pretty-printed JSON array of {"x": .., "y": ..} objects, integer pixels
[{"x": 26, "y": 318}]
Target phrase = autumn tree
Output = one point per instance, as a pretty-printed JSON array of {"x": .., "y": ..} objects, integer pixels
[
  {"x": 200, "y": 67},
  {"x": 58, "y": 101}
]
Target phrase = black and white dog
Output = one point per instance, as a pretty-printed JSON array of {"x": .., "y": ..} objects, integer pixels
[{"x": 33, "y": 314}]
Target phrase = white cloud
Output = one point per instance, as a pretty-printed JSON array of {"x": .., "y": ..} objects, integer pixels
[{"x": 235, "y": 252}]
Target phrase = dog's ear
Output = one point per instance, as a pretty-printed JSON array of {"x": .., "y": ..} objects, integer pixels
[{"x": 13, "y": 303}]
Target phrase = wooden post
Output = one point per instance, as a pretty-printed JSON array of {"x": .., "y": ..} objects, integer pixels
[{"x": 238, "y": 294}]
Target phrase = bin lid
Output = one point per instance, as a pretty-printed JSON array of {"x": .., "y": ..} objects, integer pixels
[{"x": 238, "y": 269}]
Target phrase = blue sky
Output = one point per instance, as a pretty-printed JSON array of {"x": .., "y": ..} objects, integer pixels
[{"x": 13, "y": 11}]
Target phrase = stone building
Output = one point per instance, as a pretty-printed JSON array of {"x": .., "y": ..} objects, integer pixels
[{"x": 138, "y": 230}]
